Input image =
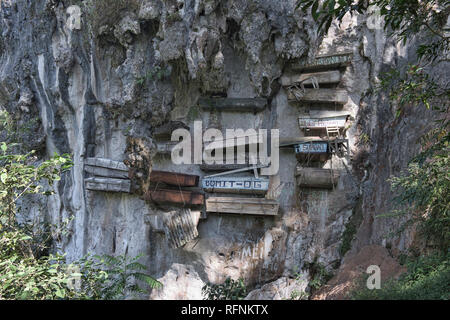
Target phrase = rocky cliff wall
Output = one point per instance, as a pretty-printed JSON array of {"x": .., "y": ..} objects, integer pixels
[{"x": 102, "y": 77}]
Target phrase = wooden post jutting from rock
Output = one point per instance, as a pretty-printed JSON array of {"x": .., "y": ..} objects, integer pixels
[
  {"x": 233, "y": 104},
  {"x": 316, "y": 177},
  {"x": 181, "y": 197},
  {"x": 250, "y": 206},
  {"x": 337, "y": 96}
]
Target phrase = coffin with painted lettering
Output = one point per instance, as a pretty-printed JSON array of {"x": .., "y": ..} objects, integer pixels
[
  {"x": 251, "y": 206},
  {"x": 337, "y": 96},
  {"x": 233, "y": 104},
  {"x": 326, "y": 61},
  {"x": 108, "y": 184},
  {"x": 236, "y": 184},
  {"x": 106, "y": 168},
  {"x": 316, "y": 177},
  {"x": 321, "y": 120},
  {"x": 324, "y": 77},
  {"x": 181, "y": 197}
]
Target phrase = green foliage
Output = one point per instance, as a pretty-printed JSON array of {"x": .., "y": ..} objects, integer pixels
[
  {"x": 428, "y": 277},
  {"x": 229, "y": 290}
]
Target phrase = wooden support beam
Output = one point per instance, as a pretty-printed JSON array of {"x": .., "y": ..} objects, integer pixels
[
  {"x": 174, "y": 178},
  {"x": 324, "y": 77},
  {"x": 108, "y": 184},
  {"x": 182, "y": 197},
  {"x": 318, "y": 95},
  {"x": 251, "y": 206},
  {"x": 326, "y": 61},
  {"x": 222, "y": 167},
  {"x": 233, "y": 104},
  {"x": 316, "y": 177},
  {"x": 236, "y": 184}
]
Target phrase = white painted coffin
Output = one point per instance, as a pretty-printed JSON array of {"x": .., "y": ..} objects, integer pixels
[
  {"x": 236, "y": 184},
  {"x": 251, "y": 206},
  {"x": 326, "y": 61}
]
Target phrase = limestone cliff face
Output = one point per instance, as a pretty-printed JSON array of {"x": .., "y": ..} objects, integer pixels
[{"x": 102, "y": 75}]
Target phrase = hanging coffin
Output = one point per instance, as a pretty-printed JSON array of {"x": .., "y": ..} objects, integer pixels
[
  {"x": 236, "y": 184},
  {"x": 311, "y": 147},
  {"x": 251, "y": 206},
  {"x": 182, "y": 197},
  {"x": 174, "y": 178},
  {"x": 180, "y": 227},
  {"x": 108, "y": 184},
  {"x": 233, "y": 104},
  {"x": 106, "y": 168},
  {"x": 325, "y": 77},
  {"x": 316, "y": 178},
  {"x": 322, "y": 120},
  {"x": 337, "y": 96},
  {"x": 326, "y": 61}
]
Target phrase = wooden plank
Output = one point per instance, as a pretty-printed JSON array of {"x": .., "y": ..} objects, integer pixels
[
  {"x": 318, "y": 95},
  {"x": 108, "y": 184},
  {"x": 183, "y": 197},
  {"x": 251, "y": 206},
  {"x": 174, "y": 178},
  {"x": 236, "y": 184},
  {"x": 326, "y": 61},
  {"x": 324, "y": 77},
  {"x": 165, "y": 131},
  {"x": 238, "y": 141},
  {"x": 312, "y": 147},
  {"x": 233, "y": 104},
  {"x": 292, "y": 141},
  {"x": 321, "y": 123},
  {"x": 222, "y": 167},
  {"x": 316, "y": 177}
]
